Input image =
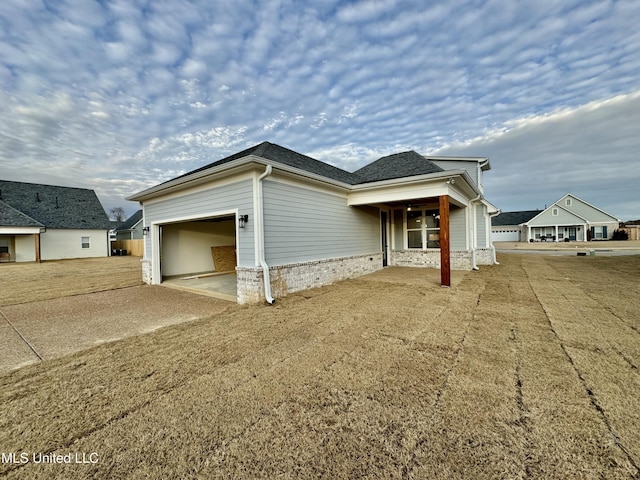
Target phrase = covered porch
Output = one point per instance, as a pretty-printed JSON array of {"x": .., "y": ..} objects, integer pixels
[
  {"x": 20, "y": 244},
  {"x": 435, "y": 222}
]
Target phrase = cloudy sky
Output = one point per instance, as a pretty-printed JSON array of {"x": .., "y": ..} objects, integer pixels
[{"x": 119, "y": 95}]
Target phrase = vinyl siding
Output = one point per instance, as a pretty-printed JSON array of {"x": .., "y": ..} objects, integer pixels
[
  {"x": 481, "y": 226},
  {"x": 57, "y": 244},
  {"x": 470, "y": 167},
  {"x": 457, "y": 229},
  {"x": 586, "y": 211},
  {"x": 302, "y": 224},
  {"x": 398, "y": 229},
  {"x": 547, "y": 218},
  {"x": 238, "y": 195}
]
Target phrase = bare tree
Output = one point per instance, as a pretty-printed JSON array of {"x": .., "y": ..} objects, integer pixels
[{"x": 117, "y": 214}]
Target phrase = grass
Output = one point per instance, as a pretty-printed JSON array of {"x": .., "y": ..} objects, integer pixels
[
  {"x": 29, "y": 282},
  {"x": 524, "y": 370}
]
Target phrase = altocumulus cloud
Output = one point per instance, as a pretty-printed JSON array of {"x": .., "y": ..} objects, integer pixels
[{"x": 118, "y": 95}]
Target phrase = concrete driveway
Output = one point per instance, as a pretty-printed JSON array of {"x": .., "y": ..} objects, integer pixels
[{"x": 32, "y": 332}]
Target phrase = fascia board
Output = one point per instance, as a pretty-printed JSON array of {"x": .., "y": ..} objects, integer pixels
[
  {"x": 429, "y": 177},
  {"x": 5, "y": 230}
]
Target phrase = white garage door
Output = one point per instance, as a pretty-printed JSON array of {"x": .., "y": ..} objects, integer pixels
[{"x": 505, "y": 235}]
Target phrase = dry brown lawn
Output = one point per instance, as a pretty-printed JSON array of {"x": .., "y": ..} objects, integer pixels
[
  {"x": 528, "y": 369},
  {"x": 30, "y": 282}
]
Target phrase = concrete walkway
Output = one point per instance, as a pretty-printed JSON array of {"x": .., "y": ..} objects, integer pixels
[{"x": 37, "y": 331}]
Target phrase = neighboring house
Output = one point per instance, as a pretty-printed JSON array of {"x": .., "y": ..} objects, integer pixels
[
  {"x": 131, "y": 228},
  {"x": 297, "y": 223},
  {"x": 48, "y": 222},
  {"x": 507, "y": 226},
  {"x": 568, "y": 219}
]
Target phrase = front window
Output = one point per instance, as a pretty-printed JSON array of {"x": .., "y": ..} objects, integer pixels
[
  {"x": 423, "y": 229},
  {"x": 85, "y": 242}
]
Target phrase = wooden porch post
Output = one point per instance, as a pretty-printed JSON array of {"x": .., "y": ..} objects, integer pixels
[
  {"x": 445, "y": 252},
  {"x": 37, "y": 239}
]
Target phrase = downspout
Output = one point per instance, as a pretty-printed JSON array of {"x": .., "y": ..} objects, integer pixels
[
  {"x": 474, "y": 238},
  {"x": 260, "y": 227},
  {"x": 493, "y": 249}
]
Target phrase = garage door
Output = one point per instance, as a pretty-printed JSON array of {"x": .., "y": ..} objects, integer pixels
[{"x": 505, "y": 235}]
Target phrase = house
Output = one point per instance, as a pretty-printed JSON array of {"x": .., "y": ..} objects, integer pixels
[
  {"x": 507, "y": 226},
  {"x": 48, "y": 222},
  {"x": 131, "y": 228},
  {"x": 289, "y": 222},
  {"x": 568, "y": 219}
]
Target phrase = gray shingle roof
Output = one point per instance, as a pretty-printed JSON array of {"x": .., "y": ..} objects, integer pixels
[
  {"x": 398, "y": 165},
  {"x": 10, "y": 217},
  {"x": 130, "y": 222},
  {"x": 54, "y": 206},
  {"x": 276, "y": 153},
  {"x": 513, "y": 218}
]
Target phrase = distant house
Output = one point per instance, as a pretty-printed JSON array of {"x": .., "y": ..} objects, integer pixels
[
  {"x": 288, "y": 222},
  {"x": 568, "y": 219},
  {"x": 507, "y": 226},
  {"x": 48, "y": 222},
  {"x": 131, "y": 228}
]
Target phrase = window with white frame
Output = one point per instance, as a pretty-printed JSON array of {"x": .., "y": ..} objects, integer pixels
[
  {"x": 86, "y": 242},
  {"x": 423, "y": 229},
  {"x": 567, "y": 202},
  {"x": 554, "y": 212}
]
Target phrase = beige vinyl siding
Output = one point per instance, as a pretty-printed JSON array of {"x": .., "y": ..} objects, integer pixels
[
  {"x": 303, "y": 224},
  {"x": 238, "y": 195},
  {"x": 56, "y": 244}
]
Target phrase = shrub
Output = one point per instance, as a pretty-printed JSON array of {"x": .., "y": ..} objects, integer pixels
[{"x": 620, "y": 235}]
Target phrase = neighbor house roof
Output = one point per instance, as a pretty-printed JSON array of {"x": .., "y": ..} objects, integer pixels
[
  {"x": 131, "y": 222},
  {"x": 398, "y": 165},
  {"x": 54, "y": 206},
  {"x": 10, "y": 217},
  {"x": 514, "y": 218}
]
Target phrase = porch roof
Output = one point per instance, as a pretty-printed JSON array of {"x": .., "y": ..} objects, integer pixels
[{"x": 11, "y": 217}]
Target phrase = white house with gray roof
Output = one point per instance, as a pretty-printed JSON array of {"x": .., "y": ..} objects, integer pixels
[
  {"x": 49, "y": 222},
  {"x": 291, "y": 222}
]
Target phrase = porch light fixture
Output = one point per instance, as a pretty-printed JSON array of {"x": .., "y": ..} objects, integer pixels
[
  {"x": 242, "y": 220},
  {"x": 451, "y": 181},
  {"x": 145, "y": 231}
]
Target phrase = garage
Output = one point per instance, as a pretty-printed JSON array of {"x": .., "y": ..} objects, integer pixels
[
  {"x": 200, "y": 254},
  {"x": 505, "y": 234}
]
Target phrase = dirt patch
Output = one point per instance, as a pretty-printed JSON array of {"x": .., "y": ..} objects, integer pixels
[{"x": 523, "y": 370}]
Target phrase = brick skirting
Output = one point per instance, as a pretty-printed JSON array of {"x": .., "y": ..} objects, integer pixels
[{"x": 295, "y": 277}]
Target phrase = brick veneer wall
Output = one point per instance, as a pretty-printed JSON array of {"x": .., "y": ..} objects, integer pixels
[
  {"x": 460, "y": 260},
  {"x": 301, "y": 276},
  {"x": 146, "y": 270}
]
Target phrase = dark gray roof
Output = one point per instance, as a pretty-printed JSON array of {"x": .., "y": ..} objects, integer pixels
[
  {"x": 513, "y": 218},
  {"x": 10, "y": 217},
  {"x": 130, "y": 222},
  {"x": 54, "y": 206},
  {"x": 398, "y": 165},
  {"x": 276, "y": 153}
]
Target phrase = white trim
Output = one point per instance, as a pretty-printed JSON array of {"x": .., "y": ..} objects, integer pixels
[
  {"x": 20, "y": 230},
  {"x": 154, "y": 231}
]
